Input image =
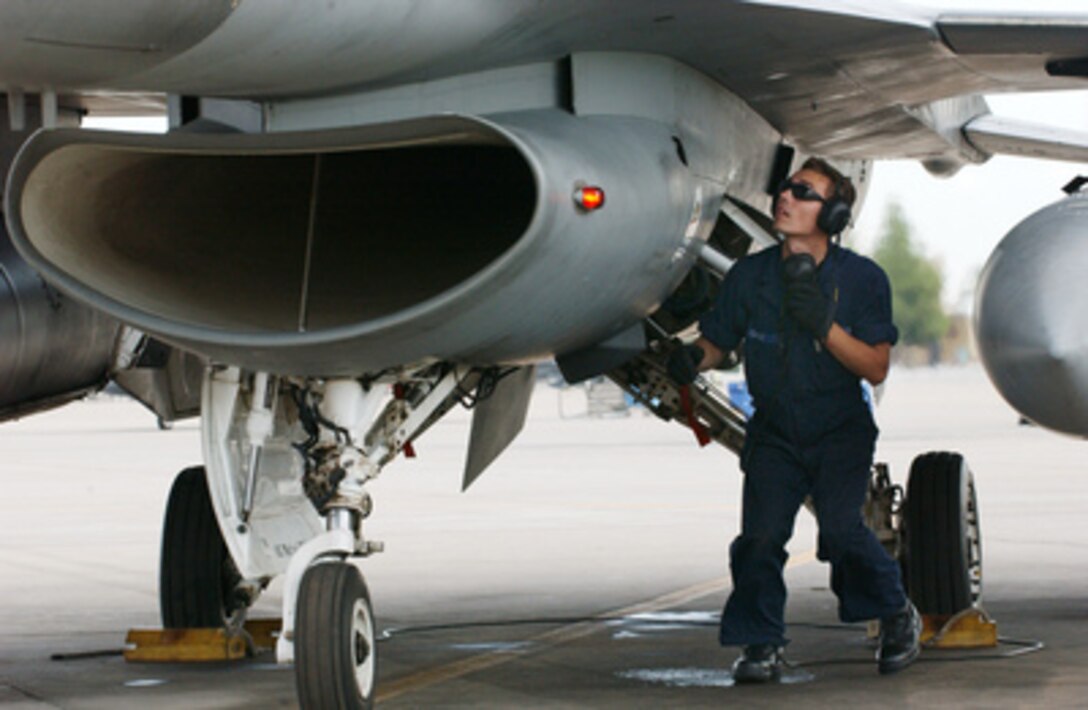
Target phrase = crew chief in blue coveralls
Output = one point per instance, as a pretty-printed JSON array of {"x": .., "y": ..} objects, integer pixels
[{"x": 814, "y": 318}]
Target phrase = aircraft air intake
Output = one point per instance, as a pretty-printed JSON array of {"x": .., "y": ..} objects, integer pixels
[{"x": 345, "y": 250}]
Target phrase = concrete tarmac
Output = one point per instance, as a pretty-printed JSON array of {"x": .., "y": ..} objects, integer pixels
[{"x": 585, "y": 569}]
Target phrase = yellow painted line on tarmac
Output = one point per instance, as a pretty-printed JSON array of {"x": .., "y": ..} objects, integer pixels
[{"x": 564, "y": 634}]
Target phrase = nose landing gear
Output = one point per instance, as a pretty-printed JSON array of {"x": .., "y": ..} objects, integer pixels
[{"x": 328, "y": 621}]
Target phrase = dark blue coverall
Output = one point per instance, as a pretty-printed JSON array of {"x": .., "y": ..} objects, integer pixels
[{"x": 811, "y": 434}]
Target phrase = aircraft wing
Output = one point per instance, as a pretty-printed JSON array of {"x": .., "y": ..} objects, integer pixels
[
  {"x": 881, "y": 81},
  {"x": 1028, "y": 140},
  {"x": 839, "y": 77}
]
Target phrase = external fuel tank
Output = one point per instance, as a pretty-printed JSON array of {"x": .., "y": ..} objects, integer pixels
[
  {"x": 52, "y": 348},
  {"x": 1031, "y": 316}
]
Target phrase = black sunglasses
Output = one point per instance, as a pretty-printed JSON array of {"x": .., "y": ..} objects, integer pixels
[{"x": 801, "y": 191}]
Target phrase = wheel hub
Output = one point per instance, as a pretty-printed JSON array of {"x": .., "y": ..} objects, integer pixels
[
  {"x": 363, "y": 644},
  {"x": 362, "y": 649}
]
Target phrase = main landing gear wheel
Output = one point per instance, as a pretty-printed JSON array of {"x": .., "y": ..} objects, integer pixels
[
  {"x": 335, "y": 654},
  {"x": 944, "y": 548},
  {"x": 197, "y": 578}
]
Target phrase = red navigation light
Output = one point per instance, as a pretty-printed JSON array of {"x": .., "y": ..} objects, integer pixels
[{"x": 589, "y": 198}]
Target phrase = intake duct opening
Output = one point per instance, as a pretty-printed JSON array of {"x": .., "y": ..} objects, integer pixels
[{"x": 277, "y": 233}]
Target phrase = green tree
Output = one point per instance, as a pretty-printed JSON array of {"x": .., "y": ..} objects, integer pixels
[{"x": 916, "y": 282}]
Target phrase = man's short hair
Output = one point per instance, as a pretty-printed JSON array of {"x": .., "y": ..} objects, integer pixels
[{"x": 842, "y": 186}]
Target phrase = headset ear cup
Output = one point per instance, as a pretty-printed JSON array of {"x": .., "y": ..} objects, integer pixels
[{"x": 834, "y": 217}]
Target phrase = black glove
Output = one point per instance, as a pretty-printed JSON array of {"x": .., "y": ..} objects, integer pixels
[
  {"x": 683, "y": 363},
  {"x": 805, "y": 301}
]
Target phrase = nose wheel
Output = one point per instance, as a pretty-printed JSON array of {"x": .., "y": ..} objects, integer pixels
[{"x": 335, "y": 654}]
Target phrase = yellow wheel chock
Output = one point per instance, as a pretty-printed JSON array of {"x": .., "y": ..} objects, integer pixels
[
  {"x": 200, "y": 645},
  {"x": 970, "y": 628}
]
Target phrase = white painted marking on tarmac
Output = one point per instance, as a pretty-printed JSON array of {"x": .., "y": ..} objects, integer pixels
[
  {"x": 681, "y": 677},
  {"x": 649, "y": 623},
  {"x": 796, "y": 675},
  {"x": 495, "y": 646},
  {"x": 647, "y": 629},
  {"x": 144, "y": 682},
  {"x": 704, "y": 677},
  {"x": 680, "y": 617}
]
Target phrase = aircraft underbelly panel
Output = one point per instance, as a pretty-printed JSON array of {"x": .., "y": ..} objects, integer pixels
[
  {"x": 840, "y": 77},
  {"x": 98, "y": 43}
]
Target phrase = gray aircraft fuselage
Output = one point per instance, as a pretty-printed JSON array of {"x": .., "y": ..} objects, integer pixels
[{"x": 400, "y": 188}]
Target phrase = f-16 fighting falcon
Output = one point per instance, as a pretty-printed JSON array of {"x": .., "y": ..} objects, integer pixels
[{"x": 365, "y": 214}]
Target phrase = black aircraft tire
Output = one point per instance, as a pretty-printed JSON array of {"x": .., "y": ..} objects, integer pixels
[
  {"x": 197, "y": 577},
  {"x": 943, "y": 567},
  {"x": 335, "y": 652}
]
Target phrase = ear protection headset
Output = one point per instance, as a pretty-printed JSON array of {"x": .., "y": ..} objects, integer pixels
[{"x": 834, "y": 215}]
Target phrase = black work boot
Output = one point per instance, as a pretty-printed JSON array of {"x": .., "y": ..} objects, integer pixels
[
  {"x": 900, "y": 636},
  {"x": 759, "y": 663}
]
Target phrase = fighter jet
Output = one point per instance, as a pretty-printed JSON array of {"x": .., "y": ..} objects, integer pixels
[{"x": 367, "y": 213}]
